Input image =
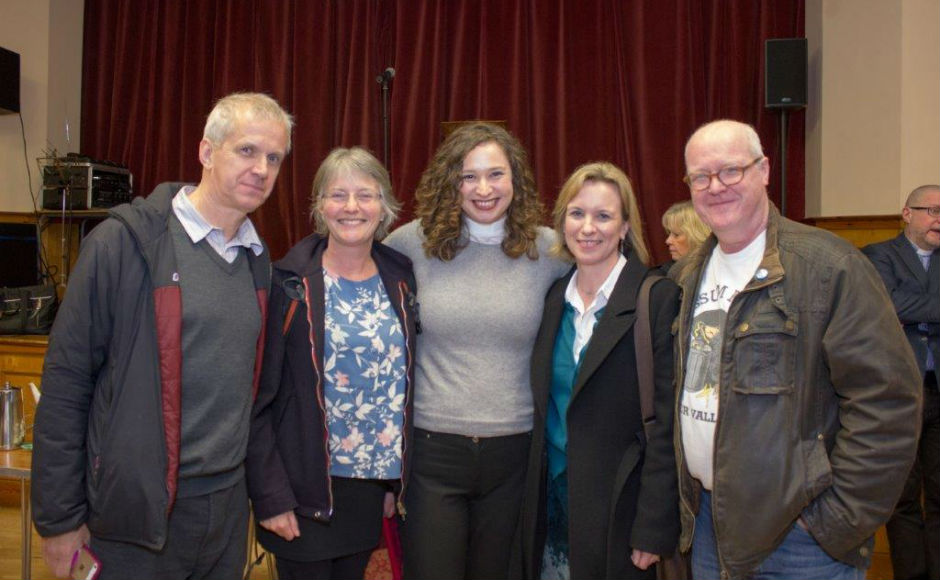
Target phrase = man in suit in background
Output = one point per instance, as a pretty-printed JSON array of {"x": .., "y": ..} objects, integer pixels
[
  {"x": 910, "y": 267},
  {"x": 152, "y": 367}
]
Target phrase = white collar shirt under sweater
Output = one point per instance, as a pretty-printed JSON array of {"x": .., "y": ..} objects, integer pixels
[{"x": 479, "y": 315}]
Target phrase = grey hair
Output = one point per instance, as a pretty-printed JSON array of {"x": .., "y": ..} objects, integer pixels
[
  {"x": 355, "y": 160},
  {"x": 244, "y": 106}
]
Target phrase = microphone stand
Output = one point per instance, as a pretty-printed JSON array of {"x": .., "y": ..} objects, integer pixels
[{"x": 385, "y": 80}]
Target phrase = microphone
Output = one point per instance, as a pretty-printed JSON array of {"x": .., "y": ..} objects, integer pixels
[{"x": 386, "y": 76}]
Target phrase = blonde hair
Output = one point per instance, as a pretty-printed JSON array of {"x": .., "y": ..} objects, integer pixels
[
  {"x": 438, "y": 203},
  {"x": 608, "y": 173},
  {"x": 242, "y": 106},
  {"x": 681, "y": 218},
  {"x": 356, "y": 161}
]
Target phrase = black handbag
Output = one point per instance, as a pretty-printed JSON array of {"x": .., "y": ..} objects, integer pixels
[
  {"x": 28, "y": 309},
  {"x": 675, "y": 566}
]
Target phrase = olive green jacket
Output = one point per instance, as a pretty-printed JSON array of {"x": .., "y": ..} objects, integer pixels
[{"x": 818, "y": 392}]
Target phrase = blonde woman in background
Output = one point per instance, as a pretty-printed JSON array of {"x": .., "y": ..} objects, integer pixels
[{"x": 684, "y": 230}]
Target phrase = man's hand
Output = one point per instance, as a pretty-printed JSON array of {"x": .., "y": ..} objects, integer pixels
[
  {"x": 57, "y": 551},
  {"x": 284, "y": 525},
  {"x": 643, "y": 560}
]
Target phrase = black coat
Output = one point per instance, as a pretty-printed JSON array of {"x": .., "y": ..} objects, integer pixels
[{"x": 622, "y": 492}]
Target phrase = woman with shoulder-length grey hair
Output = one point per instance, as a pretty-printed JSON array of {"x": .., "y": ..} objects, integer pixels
[{"x": 331, "y": 422}]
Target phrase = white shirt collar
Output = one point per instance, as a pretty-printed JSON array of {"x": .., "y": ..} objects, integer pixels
[
  {"x": 603, "y": 293},
  {"x": 488, "y": 234},
  {"x": 198, "y": 228}
]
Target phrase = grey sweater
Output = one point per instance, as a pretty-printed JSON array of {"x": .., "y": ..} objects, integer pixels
[
  {"x": 221, "y": 323},
  {"x": 479, "y": 316}
]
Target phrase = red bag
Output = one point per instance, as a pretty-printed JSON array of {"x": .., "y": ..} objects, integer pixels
[{"x": 393, "y": 544}]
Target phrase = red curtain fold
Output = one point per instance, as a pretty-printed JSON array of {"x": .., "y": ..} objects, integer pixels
[{"x": 576, "y": 81}]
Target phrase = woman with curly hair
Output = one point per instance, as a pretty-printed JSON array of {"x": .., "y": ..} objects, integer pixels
[{"x": 482, "y": 266}]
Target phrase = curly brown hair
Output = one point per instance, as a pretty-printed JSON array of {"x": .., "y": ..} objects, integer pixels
[{"x": 438, "y": 203}]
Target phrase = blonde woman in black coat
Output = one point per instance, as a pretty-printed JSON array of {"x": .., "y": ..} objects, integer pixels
[{"x": 601, "y": 500}]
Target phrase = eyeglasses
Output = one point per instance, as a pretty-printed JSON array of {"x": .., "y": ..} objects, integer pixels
[
  {"x": 932, "y": 211},
  {"x": 726, "y": 175},
  {"x": 362, "y": 197}
]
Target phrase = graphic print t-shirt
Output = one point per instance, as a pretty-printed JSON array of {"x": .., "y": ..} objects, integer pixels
[{"x": 725, "y": 276}]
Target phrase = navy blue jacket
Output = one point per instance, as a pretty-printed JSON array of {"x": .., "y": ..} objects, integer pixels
[{"x": 288, "y": 464}]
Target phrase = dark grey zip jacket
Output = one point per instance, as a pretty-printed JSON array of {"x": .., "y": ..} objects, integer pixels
[
  {"x": 107, "y": 432},
  {"x": 818, "y": 391}
]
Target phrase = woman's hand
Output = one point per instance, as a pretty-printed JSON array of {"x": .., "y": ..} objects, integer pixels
[
  {"x": 388, "y": 509},
  {"x": 284, "y": 525},
  {"x": 643, "y": 560}
]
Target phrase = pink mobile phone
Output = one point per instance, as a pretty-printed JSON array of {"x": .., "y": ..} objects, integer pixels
[{"x": 85, "y": 565}]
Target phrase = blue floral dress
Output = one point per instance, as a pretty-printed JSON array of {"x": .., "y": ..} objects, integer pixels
[{"x": 365, "y": 379}]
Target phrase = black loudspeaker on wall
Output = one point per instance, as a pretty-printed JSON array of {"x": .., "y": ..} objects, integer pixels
[
  {"x": 785, "y": 73},
  {"x": 9, "y": 82}
]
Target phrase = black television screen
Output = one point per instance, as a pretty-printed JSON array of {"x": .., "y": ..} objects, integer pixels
[{"x": 19, "y": 255}]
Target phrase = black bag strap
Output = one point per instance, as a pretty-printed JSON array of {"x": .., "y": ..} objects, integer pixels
[{"x": 643, "y": 345}]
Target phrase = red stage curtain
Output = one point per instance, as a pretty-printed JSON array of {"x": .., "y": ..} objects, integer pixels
[{"x": 576, "y": 80}]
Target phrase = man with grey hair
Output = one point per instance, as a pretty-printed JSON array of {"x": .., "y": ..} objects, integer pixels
[
  {"x": 909, "y": 265},
  {"x": 152, "y": 367},
  {"x": 793, "y": 417}
]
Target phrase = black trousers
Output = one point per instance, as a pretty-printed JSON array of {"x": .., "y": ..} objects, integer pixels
[
  {"x": 462, "y": 503},
  {"x": 914, "y": 529},
  {"x": 207, "y": 538},
  {"x": 351, "y": 567}
]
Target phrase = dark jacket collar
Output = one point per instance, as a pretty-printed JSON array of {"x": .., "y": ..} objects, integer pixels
[
  {"x": 687, "y": 272},
  {"x": 305, "y": 259},
  {"x": 909, "y": 257},
  {"x": 146, "y": 217},
  {"x": 617, "y": 319}
]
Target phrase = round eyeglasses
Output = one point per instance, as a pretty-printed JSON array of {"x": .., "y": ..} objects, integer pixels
[
  {"x": 728, "y": 176},
  {"x": 342, "y": 197}
]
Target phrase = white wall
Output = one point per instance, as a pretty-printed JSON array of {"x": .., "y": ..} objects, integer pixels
[
  {"x": 873, "y": 123},
  {"x": 920, "y": 95},
  {"x": 48, "y": 36}
]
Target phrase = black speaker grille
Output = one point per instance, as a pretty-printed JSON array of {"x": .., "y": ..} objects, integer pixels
[
  {"x": 785, "y": 73},
  {"x": 9, "y": 81}
]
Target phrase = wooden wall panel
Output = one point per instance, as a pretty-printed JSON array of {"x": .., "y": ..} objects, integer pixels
[{"x": 861, "y": 230}]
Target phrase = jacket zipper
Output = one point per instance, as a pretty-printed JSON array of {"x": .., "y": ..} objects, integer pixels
[
  {"x": 679, "y": 393},
  {"x": 402, "y": 293},
  {"x": 319, "y": 392}
]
